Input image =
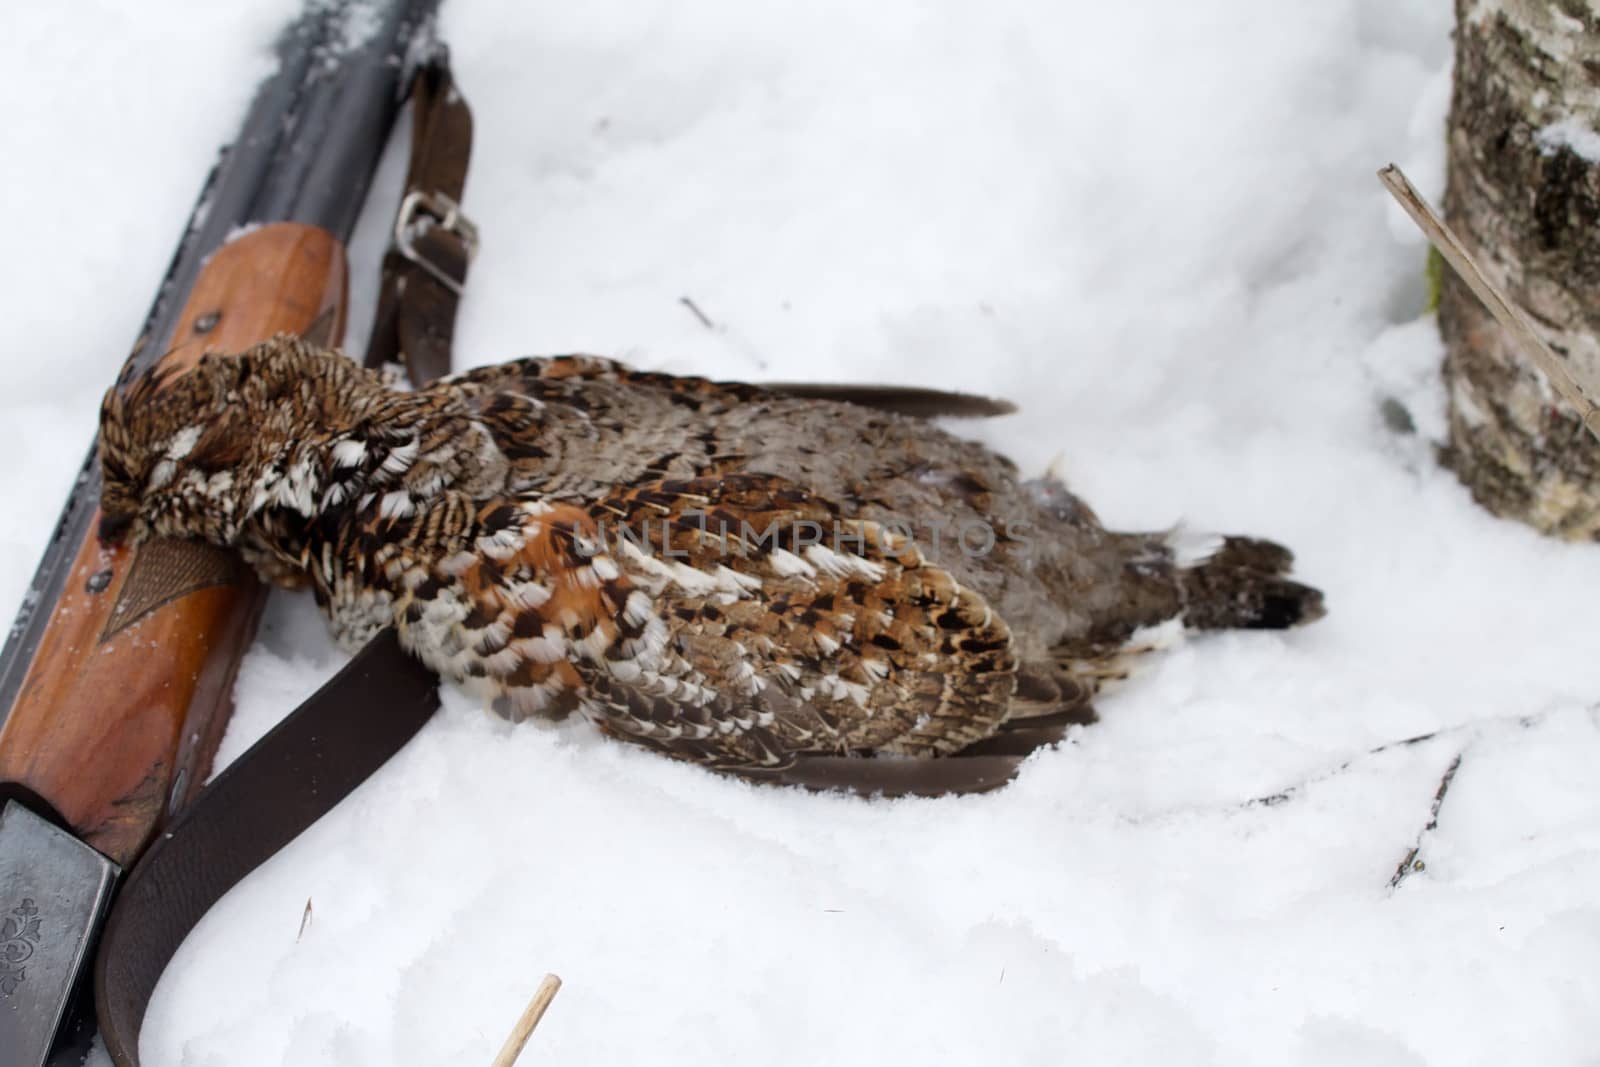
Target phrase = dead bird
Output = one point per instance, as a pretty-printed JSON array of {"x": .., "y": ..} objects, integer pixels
[{"x": 786, "y": 583}]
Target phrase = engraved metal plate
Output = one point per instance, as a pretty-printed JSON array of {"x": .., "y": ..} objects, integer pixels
[{"x": 53, "y": 891}]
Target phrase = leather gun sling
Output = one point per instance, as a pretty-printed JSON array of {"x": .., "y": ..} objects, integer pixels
[
  {"x": 352, "y": 725},
  {"x": 426, "y": 266}
]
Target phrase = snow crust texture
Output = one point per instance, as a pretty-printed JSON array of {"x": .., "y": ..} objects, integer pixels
[{"x": 1153, "y": 223}]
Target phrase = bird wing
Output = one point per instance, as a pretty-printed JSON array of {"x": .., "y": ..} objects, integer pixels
[
  {"x": 737, "y": 621},
  {"x": 807, "y": 630},
  {"x": 916, "y": 401}
]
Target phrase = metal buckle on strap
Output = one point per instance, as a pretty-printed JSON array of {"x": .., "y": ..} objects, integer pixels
[{"x": 422, "y": 211}]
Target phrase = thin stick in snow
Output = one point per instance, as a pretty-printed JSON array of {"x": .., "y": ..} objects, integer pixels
[
  {"x": 1282, "y": 796},
  {"x": 705, "y": 320},
  {"x": 1511, "y": 317},
  {"x": 530, "y": 1018},
  {"x": 1411, "y": 864}
]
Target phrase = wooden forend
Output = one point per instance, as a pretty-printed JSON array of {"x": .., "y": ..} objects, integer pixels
[{"x": 128, "y": 693}]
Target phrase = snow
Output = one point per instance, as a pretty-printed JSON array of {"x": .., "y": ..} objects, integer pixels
[
  {"x": 1153, "y": 223},
  {"x": 1571, "y": 133}
]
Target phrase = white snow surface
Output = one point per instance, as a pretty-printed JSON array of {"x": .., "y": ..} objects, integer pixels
[
  {"x": 1570, "y": 132},
  {"x": 1155, "y": 224}
]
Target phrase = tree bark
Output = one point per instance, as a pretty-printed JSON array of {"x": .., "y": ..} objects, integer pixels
[{"x": 1524, "y": 195}]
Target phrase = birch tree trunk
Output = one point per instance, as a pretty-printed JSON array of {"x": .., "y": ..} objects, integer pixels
[{"x": 1524, "y": 194}]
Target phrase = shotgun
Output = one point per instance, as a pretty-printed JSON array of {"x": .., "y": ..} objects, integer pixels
[{"x": 116, "y": 679}]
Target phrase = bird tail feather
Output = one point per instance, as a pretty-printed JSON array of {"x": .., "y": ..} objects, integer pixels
[{"x": 1242, "y": 585}]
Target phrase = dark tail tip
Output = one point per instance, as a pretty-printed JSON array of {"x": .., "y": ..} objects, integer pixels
[{"x": 1241, "y": 587}]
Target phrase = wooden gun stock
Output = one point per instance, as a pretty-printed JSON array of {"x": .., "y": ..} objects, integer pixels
[{"x": 127, "y": 695}]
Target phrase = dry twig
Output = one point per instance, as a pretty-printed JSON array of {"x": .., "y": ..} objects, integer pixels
[
  {"x": 1511, "y": 317},
  {"x": 705, "y": 320},
  {"x": 530, "y": 1018},
  {"x": 1272, "y": 800},
  {"x": 1411, "y": 864}
]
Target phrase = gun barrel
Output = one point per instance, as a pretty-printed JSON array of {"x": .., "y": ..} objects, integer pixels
[
  {"x": 305, "y": 152},
  {"x": 108, "y": 752}
]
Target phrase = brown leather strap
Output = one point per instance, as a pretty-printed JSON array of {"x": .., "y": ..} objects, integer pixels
[
  {"x": 369, "y": 710},
  {"x": 889, "y": 777},
  {"x": 262, "y": 801},
  {"x": 426, "y": 266}
]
